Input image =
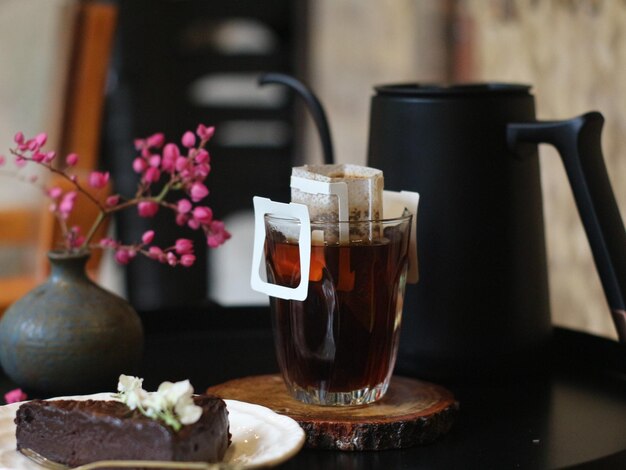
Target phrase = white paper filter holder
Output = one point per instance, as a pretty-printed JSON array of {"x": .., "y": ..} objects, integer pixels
[
  {"x": 394, "y": 204},
  {"x": 264, "y": 206}
]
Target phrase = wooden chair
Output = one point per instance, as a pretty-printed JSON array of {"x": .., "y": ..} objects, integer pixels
[
  {"x": 16, "y": 232},
  {"x": 26, "y": 234}
]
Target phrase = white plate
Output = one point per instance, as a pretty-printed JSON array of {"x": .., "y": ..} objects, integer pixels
[{"x": 260, "y": 437}]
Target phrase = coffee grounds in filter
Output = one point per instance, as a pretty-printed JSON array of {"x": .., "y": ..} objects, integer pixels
[{"x": 365, "y": 191}]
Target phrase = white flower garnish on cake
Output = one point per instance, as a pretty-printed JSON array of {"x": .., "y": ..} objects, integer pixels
[{"x": 172, "y": 402}]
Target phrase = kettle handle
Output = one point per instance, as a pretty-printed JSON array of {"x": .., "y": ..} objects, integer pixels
[{"x": 578, "y": 142}]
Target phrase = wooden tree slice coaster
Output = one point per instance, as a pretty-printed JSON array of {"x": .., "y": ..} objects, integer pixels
[{"x": 412, "y": 412}]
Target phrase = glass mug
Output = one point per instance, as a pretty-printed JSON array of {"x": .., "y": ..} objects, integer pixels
[{"x": 338, "y": 346}]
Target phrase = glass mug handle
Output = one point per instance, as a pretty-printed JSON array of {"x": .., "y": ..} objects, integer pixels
[{"x": 264, "y": 206}]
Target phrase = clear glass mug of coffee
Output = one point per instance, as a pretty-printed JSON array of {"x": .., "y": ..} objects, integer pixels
[{"x": 338, "y": 346}]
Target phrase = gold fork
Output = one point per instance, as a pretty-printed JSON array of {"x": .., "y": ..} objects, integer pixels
[{"x": 51, "y": 465}]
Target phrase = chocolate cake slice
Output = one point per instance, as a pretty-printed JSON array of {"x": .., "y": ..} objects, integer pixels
[{"x": 75, "y": 432}]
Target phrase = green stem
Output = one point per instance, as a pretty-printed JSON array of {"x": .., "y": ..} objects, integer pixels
[
  {"x": 92, "y": 231},
  {"x": 163, "y": 192}
]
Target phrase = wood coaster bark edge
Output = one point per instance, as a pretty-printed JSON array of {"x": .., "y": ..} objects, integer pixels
[{"x": 324, "y": 429}]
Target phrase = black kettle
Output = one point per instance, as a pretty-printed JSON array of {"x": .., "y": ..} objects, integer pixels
[{"x": 470, "y": 150}]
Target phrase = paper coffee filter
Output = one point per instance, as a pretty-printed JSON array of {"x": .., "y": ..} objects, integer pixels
[
  {"x": 319, "y": 215},
  {"x": 363, "y": 185}
]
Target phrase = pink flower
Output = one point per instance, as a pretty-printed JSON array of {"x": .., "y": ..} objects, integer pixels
[
  {"x": 171, "y": 152},
  {"x": 71, "y": 159},
  {"x": 187, "y": 260},
  {"x": 202, "y": 156},
  {"x": 2, "y": 160},
  {"x": 38, "y": 157},
  {"x": 183, "y": 246},
  {"x": 202, "y": 170},
  {"x": 112, "y": 200},
  {"x": 15, "y": 396},
  {"x": 152, "y": 175},
  {"x": 155, "y": 252},
  {"x": 67, "y": 203},
  {"x": 156, "y": 140},
  {"x": 205, "y": 133},
  {"x": 55, "y": 192},
  {"x": 189, "y": 139},
  {"x": 41, "y": 139},
  {"x": 98, "y": 179},
  {"x": 203, "y": 214},
  {"x": 198, "y": 192},
  {"x": 19, "y": 138},
  {"x": 123, "y": 256},
  {"x": 168, "y": 164},
  {"x": 183, "y": 206},
  {"x": 171, "y": 259},
  {"x": 147, "y": 208},
  {"x": 20, "y": 162},
  {"x": 154, "y": 161},
  {"x": 108, "y": 242},
  {"x": 49, "y": 156},
  {"x": 181, "y": 163},
  {"x": 139, "y": 165},
  {"x": 181, "y": 219},
  {"x": 147, "y": 237},
  {"x": 215, "y": 239},
  {"x": 217, "y": 234},
  {"x": 74, "y": 238}
]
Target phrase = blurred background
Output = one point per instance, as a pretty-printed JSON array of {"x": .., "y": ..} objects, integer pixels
[{"x": 97, "y": 74}]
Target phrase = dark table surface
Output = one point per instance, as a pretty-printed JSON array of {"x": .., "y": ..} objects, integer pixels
[{"x": 572, "y": 415}]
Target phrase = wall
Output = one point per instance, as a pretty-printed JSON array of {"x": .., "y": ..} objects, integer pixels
[
  {"x": 34, "y": 39},
  {"x": 356, "y": 44}
]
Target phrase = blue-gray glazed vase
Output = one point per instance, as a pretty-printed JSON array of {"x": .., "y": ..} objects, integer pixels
[{"x": 68, "y": 335}]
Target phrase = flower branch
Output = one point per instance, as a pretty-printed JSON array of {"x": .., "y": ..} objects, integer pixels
[{"x": 156, "y": 162}]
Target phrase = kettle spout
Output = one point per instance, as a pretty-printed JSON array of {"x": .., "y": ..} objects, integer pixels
[{"x": 313, "y": 104}]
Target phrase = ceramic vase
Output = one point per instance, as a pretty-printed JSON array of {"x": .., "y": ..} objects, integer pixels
[{"x": 68, "y": 335}]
